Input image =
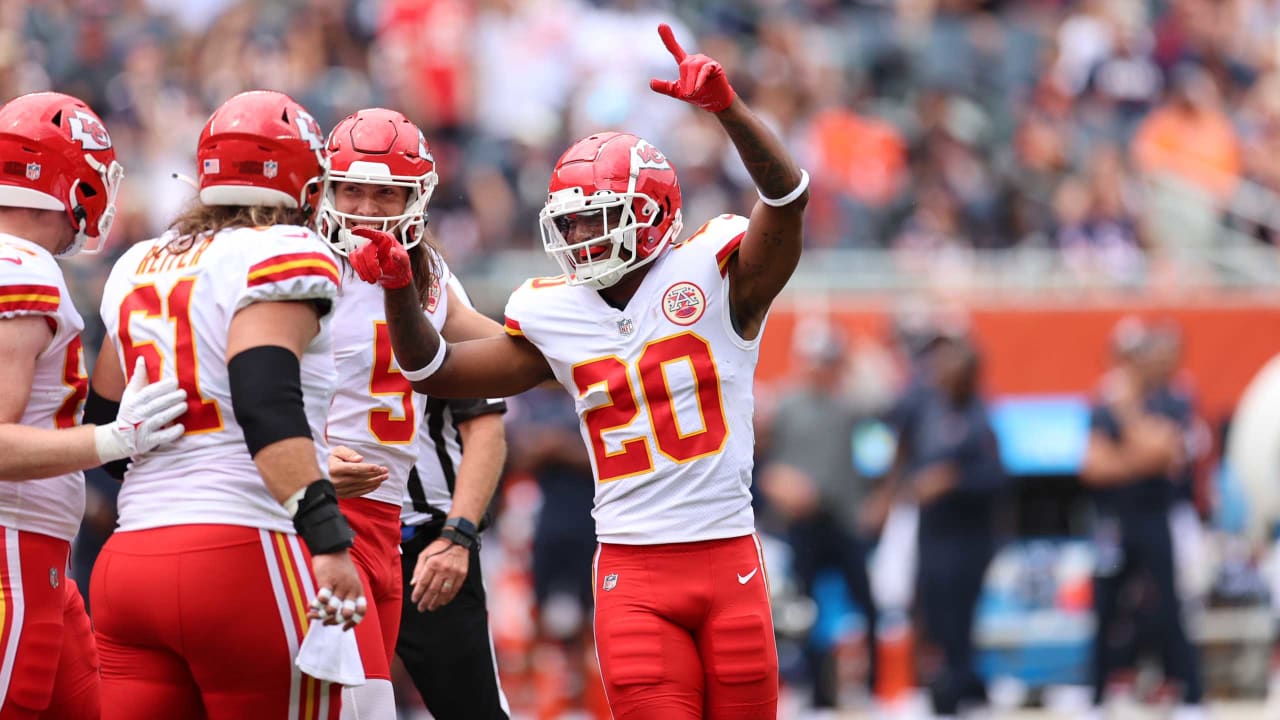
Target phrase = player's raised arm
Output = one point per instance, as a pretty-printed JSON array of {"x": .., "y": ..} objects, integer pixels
[
  {"x": 771, "y": 247},
  {"x": 498, "y": 366}
]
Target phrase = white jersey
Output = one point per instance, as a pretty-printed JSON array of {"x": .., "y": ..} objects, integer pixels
[
  {"x": 375, "y": 411},
  {"x": 429, "y": 493},
  {"x": 31, "y": 283},
  {"x": 663, "y": 390},
  {"x": 175, "y": 310}
]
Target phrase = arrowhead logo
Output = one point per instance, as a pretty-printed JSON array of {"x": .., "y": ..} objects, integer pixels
[{"x": 744, "y": 579}]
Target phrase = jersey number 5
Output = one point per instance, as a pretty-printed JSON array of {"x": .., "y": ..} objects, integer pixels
[
  {"x": 613, "y": 373},
  {"x": 386, "y": 380},
  {"x": 202, "y": 415}
]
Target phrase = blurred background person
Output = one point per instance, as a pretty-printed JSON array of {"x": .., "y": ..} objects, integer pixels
[
  {"x": 958, "y": 480},
  {"x": 1136, "y": 455},
  {"x": 546, "y": 443},
  {"x": 810, "y": 479},
  {"x": 1192, "y": 556}
]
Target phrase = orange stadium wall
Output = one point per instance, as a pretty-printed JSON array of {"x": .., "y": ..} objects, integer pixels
[{"x": 1055, "y": 347}]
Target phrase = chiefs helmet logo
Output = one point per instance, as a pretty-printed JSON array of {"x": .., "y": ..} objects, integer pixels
[
  {"x": 88, "y": 131},
  {"x": 309, "y": 130},
  {"x": 423, "y": 152},
  {"x": 650, "y": 157}
]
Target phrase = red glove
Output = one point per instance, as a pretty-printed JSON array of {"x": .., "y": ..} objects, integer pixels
[
  {"x": 382, "y": 260},
  {"x": 702, "y": 80}
]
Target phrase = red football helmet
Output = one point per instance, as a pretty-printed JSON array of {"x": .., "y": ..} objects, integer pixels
[
  {"x": 57, "y": 155},
  {"x": 261, "y": 148},
  {"x": 378, "y": 147},
  {"x": 631, "y": 186}
]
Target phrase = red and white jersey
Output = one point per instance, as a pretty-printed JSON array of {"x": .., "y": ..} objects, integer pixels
[
  {"x": 31, "y": 283},
  {"x": 663, "y": 389},
  {"x": 374, "y": 410},
  {"x": 174, "y": 310}
]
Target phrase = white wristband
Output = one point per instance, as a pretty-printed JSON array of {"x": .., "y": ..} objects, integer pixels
[
  {"x": 429, "y": 369},
  {"x": 291, "y": 503},
  {"x": 106, "y": 442},
  {"x": 789, "y": 197}
]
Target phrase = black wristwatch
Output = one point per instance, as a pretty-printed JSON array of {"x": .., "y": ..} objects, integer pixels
[
  {"x": 463, "y": 525},
  {"x": 459, "y": 539}
]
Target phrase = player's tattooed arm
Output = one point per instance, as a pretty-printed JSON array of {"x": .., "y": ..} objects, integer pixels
[
  {"x": 771, "y": 167},
  {"x": 494, "y": 366},
  {"x": 770, "y": 248},
  {"x": 414, "y": 340}
]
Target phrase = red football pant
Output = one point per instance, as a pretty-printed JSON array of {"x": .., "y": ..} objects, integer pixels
[
  {"x": 204, "y": 621},
  {"x": 376, "y": 555},
  {"x": 685, "y": 631},
  {"x": 48, "y": 661}
]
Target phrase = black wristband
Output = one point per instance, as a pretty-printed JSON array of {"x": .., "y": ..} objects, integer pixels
[
  {"x": 319, "y": 522},
  {"x": 463, "y": 526},
  {"x": 457, "y": 538}
]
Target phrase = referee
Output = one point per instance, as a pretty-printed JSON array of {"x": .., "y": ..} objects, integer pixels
[{"x": 445, "y": 642}]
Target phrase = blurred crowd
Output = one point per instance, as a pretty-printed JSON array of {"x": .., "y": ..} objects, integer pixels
[{"x": 1118, "y": 132}]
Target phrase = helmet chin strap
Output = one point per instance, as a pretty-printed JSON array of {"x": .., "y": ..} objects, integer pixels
[{"x": 609, "y": 277}]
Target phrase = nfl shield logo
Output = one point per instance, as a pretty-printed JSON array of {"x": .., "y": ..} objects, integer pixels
[
  {"x": 610, "y": 581},
  {"x": 270, "y": 168},
  {"x": 33, "y": 171},
  {"x": 626, "y": 327}
]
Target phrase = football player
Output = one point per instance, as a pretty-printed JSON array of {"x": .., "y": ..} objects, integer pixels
[
  {"x": 57, "y": 193},
  {"x": 381, "y": 176},
  {"x": 657, "y": 342},
  {"x": 229, "y": 535}
]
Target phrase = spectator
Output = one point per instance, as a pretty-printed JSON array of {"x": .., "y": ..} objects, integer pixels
[
  {"x": 1190, "y": 138},
  {"x": 811, "y": 480},
  {"x": 1097, "y": 226}
]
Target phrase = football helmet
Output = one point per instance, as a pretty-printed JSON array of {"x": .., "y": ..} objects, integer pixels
[
  {"x": 261, "y": 148},
  {"x": 378, "y": 147},
  {"x": 57, "y": 155},
  {"x": 632, "y": 189}
]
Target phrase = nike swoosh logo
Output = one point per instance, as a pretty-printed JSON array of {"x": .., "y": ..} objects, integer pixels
[{"x": 744, "y": 579}]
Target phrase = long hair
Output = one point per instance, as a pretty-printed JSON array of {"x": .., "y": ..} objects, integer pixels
[
  {"x": 426, "y": 268},
  {"x": 200, "y": 220}
]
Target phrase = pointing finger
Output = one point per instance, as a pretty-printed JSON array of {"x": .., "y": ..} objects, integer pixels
[{"x": 669, "y": 39}]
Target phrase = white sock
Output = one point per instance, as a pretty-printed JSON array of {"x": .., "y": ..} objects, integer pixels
[{"x": 375, "y": 700}]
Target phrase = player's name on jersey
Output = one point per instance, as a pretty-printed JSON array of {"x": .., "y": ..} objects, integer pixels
[{"x": 159, "y": 259}]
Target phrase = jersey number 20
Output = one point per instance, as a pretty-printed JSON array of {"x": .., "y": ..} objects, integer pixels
[{"x": 613, "y": 372}]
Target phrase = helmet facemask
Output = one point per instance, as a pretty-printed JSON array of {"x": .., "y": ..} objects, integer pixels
[
  {"x": 408, "y": 226},
  {"x": 602, "y": 260},
  {"x": 112, "y": 175}
]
